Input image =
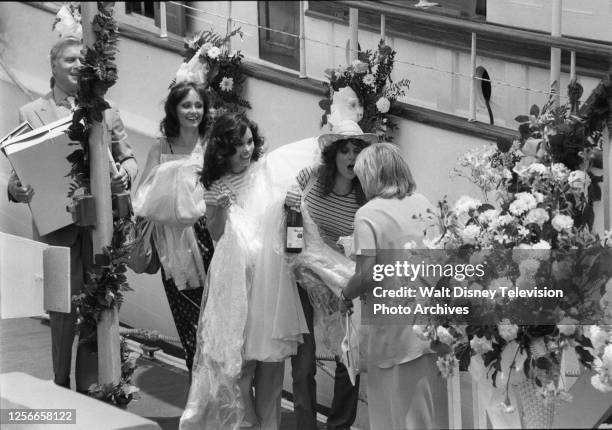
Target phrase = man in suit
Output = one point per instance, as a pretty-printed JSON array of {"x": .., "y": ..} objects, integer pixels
[{"x": 57, "y": 104}]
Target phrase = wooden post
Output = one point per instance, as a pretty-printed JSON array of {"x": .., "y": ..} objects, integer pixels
[
  {"x": 109, "y": 358},
  {"x": 555, "y": 53},
  {"x": 607, "y": 165},
  {"x": 383, "y": 28}
]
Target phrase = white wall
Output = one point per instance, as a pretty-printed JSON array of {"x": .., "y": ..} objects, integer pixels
[{"x": 590, "y": 19}]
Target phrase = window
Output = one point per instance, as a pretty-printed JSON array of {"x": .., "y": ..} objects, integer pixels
[
  {"x": 175, "y": 14},
  {"x": 469, "y": 9},
  {"x": 144, "y": 8},
  {"x": 281, "y": 47}
]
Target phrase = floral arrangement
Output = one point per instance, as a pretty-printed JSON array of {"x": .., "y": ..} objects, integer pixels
[
  {"x": 68, "y": 20},
  {"x": 106, "y": 281},
  {"x": 208, "y": 61},
  {"x": 370, "y": 78},
  {"x": 539, "y": 233}
]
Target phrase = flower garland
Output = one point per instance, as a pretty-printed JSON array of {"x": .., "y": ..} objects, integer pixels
[
  {"x": 106, "y": 281},
  {"x": 208, "y": 61},
  {"x": 370, "y": 78},
  {"x": 544, "y": 191}
]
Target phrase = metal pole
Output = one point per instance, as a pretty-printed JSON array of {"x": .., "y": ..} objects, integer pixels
[
  {"x": 109, "y": 359},
  {"x": 572, "y": 65},
  {"x": 354, "y": 33},
  {"x": 302, "y": 42},
  {"x": 228, "y": 25},
  {"x": 555, "y": 53},
  {"x": 383, "y": 27},
  {"x": 473, "y": 80},
  {"x": 163, "y": 24}
]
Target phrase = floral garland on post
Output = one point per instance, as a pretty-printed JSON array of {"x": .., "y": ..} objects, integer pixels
[
  {"x": 208, "y": 61},
  {"x": 370, "y": 78},
  {"x": 105, "y": 283}
]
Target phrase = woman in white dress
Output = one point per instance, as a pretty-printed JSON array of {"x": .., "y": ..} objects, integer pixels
[{"x": 253, "y": 318}]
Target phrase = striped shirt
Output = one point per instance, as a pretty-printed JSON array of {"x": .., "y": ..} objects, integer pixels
[
  {"x": 333, "y": 214},
  {"x": 239, "y": 181}
]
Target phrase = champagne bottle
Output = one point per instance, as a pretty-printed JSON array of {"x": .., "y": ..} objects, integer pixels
[{"x": 294, "y": 240}]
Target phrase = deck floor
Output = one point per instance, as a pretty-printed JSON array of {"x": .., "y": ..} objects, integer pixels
[{"x": 25, "y": 346}]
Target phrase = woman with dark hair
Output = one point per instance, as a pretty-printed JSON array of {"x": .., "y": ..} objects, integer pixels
[
  {"x": 252, "y": 320},
  {"x": 183, "y": 132},
  {"x": 234, "y": 145},
  {"x": 332, "y": 195}
]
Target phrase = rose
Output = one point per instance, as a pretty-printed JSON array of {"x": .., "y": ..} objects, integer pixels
[
  {"x": 444, "y": 335},
  {"x": 562, "y": 222},
  {"x": 470, "y": 233},
  {"x": 538, "y": 168},
  {"x": 465, "y": 204},
  {"x": 578, "y": 180},
  {"x": 567, "y": 326},
  {"x": 488, "y": 216},
  {"x": 559, "y": 171},
  {"x": 359, "y": 66},
  {"x": 383, "y": 105},
  {"x": 537, "y": 216},
  {"x": 522, "y": 203},
  {"x": 507, "y": 330},
  {"x": 599, "y": 337},
  {"x": 480, "y": 345}
]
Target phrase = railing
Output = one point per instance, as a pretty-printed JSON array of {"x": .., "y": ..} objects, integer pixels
[{"x": 476, "y": 30}]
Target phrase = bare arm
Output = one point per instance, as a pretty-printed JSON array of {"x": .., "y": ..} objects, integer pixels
[
  {"x": 152, "y": 160},
  {"x": 215, "y": 220}
]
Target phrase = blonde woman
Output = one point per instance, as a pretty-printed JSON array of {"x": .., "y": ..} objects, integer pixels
[{"x": 405, "y": 390}]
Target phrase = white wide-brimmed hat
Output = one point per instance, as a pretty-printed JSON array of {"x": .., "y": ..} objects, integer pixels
[{"x": 346, "y": 129}]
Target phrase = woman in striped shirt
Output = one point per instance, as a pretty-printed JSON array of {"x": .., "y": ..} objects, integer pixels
[{"x": 332, "y": 194}]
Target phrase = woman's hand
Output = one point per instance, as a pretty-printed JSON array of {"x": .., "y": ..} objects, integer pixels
[
  {"x": 346, "y": 305},
  {"x": 224, "y": 201},
  {"x": 293, "y": 199}
]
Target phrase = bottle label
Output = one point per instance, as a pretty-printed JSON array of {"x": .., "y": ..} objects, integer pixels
[{"x": 295, "y": 237}]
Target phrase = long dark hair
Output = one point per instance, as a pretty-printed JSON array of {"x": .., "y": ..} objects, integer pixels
[
  {"x": 328, "y": 169},
  {"x": 170, "y": 126},
  {"x": 225, "y": 135}
]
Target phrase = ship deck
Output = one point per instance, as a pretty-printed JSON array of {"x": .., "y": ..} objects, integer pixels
[{"x": 25, "y": 346}]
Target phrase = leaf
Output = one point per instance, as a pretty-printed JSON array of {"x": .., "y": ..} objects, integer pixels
[
  {"x": 325, "y": 104},
  {"x": 504, "y": 144},
  {"x": 522, "y": 118},
  {"x": 534, "y": 110}
]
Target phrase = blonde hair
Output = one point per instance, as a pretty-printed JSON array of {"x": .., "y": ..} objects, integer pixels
[
  {"x": 382, "y": 171},
  {"x": 58, "y": 48}
]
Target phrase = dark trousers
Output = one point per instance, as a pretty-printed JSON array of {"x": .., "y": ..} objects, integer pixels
[
  {"x": 303, "y": 369},
  {"x": 63, "y": 327}
]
